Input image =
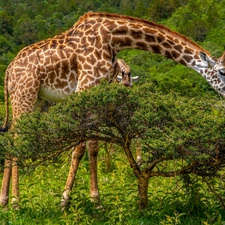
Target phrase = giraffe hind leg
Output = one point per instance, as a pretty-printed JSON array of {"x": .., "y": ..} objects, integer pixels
[
  {"x": 19, "y": 106},
  {"x": 4, "y": 197}
]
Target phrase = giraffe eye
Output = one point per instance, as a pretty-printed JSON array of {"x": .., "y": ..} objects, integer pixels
[{"x": 222, "y": 72}]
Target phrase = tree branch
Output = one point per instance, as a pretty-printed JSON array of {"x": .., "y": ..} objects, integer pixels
[{"x": 184, "y": 170}]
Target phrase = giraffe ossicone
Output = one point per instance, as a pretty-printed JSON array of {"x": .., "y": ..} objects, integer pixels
[{"x": 85, "y": 54}]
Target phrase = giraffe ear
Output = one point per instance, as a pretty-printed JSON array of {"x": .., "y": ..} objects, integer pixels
[
  {"x": 135, "y": 79},
  {"x": 207, "y": 60},
  {"x": 119, "y": 79}
]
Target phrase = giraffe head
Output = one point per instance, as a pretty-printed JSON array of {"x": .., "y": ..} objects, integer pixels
[
  {"x": 213, "y": 70},
  {"x": 124, "y": 77}
]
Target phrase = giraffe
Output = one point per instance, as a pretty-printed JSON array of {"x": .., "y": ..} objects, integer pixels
[
  {"x": 80, "y": 57},
  {"x": 124, "y": 77}
]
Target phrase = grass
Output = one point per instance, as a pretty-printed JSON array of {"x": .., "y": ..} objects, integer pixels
[{"x": 169, "y": 202}]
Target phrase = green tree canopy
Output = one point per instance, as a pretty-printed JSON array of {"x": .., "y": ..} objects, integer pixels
[{"x": 170, "y": 127}]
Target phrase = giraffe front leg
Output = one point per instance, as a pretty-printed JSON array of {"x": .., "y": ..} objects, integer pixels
[
  {"x": 93, "y": 148},
  {"x": 77, "y": 155},
  {"x": 4, "y": 197},
  {"x": 15, "y": 184}
]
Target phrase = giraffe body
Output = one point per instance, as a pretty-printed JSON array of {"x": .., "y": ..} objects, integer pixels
[
  {"x": 83, "y": 55},
  {"x": 86, "y": 53}
]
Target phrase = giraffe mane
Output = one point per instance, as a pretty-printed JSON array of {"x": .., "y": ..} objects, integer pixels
[{"x": 148, "y": 23}]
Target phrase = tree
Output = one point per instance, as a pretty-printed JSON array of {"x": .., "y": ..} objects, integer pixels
[
  {"x": 188, "y": 21},
  {"x": 6, "y": 23},
  {"x": 24, "y": 30},
  {"x": 4, "y": 45},
  {"x": 162, "y": 9},
  {"x": 171, "y": 128}
]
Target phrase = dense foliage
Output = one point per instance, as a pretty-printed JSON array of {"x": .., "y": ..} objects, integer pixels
[
  {"x": 179, "y": 136},
  {"x": 169, "y": 128},
  {"x": 167, "y": 124}
]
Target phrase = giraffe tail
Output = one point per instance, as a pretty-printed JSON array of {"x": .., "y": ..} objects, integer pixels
[{"x": 4, "y": 128}]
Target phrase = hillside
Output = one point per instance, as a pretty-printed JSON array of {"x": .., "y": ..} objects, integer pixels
[{"x": 25, "y": 22}]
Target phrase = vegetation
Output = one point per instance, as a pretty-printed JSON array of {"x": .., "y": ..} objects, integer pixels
[
  {"x": 184, "y": 127},
  {"x": 171, "y": 203},
  {"x": 180, "y": 137}
]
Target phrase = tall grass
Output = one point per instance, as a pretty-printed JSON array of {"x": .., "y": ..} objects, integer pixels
[{"x": 169, "y": 201}]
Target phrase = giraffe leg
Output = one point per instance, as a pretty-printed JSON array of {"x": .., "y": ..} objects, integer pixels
[
  {"x": 139, "y": 157},
  {"x": 77, "y": 155},
  {"x": 93, "y": 148},
  {"x": 20, "y": 106},
  {"x": 4, "y": 197},
  {"x": 15, "y": 184}
]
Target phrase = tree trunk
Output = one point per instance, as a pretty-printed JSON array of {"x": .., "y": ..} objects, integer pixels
[{"x": 143, "y": 191}]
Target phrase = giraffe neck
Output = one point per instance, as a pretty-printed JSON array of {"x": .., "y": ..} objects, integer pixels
[{"x": 123, "y": 32}]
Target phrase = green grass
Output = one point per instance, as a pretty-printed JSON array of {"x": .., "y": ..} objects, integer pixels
[{"x": 169, "y": 203}]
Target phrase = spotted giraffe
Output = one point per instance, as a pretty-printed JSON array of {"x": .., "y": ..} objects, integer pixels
[
  {"x": 85, "y": 54},
  {"x": 124, "y": 77}
]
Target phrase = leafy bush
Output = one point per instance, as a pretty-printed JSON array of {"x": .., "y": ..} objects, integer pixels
[{"x": 170, "y": 127}]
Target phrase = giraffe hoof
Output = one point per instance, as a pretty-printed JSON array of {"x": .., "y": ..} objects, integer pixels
[
  {"x": 4, "y": 201},
  {"x": 15, "y": 204},
  {"x": 64, "y": 204}
]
